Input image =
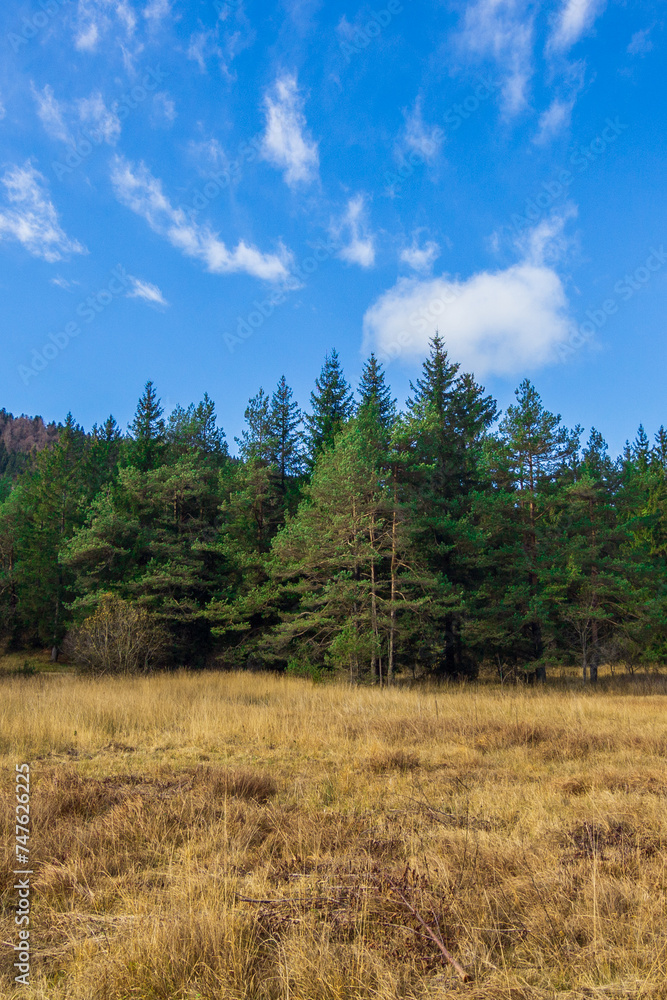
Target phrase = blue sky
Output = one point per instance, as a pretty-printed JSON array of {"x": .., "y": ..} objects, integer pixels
[{"x": 211, "y": 193}]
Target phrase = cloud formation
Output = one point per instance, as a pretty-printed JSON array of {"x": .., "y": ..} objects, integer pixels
[
  {"x": 360, "y": 246},
  {"x": 146, "y": 291},
  {"x": 51, "y": 114},
  {"x": 91, "y": 114},
  {"x": 420, "y": 258},
  {"x": 30, "y": 217},
  {"x": 420, "y": 138},
  {"x": 137, "y": 189},
  {"x": 286, "y": 143},
  {"x": 95, "y": 17},
  {"x": 573, "y": 20},
  {"x": 502, "y": 30},
  {"x": 494, "y": 323}
]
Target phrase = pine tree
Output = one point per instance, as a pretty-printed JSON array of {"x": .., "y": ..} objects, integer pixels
[
  {"x": 285, "y": 420},
  {"x": 374, "y": 391},
  {"x": 446, "y": 422},
  {"x": 256, "y": 443},
  {"x": 105, "y": 453},
  {"x": 537, "y": 450},
  {"x": 659, "y": 451},
  {"x": 147, "y": 430},
  {"x": 332, "y": 405},
  {"x": 55, "y": 499},
  {"x": 641, "y": 449},
  {"x": 195, "y": 430}
]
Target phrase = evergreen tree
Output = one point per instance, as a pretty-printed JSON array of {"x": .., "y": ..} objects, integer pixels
[
  {"x": 147, "y": 430},
  {"x": 256, "y": 443},
  {"x": 195, "y": 430},
  {"x": 537, "y": 450},
  {"x": 54, "y": 500},
  {"x": 285, "y": 420},
  {"x": 332, "y": 404},
  {"x": 374, "y": 391},
  {"x": 446, "y": 422}
]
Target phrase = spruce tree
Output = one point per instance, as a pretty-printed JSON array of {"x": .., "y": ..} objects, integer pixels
[
  {"x": 256, "y": 442},
  {"x": 147, "y": 430},
  {"x": 374, "y": 391},
  {"x": 332, "y": 404},
  {"x": 195, "y": 430},
  {"x": 285, "y": 420},
  {"x": 537, "y": 450}
]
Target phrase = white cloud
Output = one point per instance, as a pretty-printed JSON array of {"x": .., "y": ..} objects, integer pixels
[
  {"x": 63, "y": 283},
  {"x": 60, "y": 120},
  {"x": 93, "y": 112},
  {"x": 2, "y": 110},
  {"x": 51, "y": 114},
  {"x": 640, "y": 43},
  {"x": 30, "y": 217},
  {"x": 556, "y": 117},
  {"x": 420, "y": 138},
  {"x": 144, "y": 290},
  {"x": 202, "y": 47},
  {"x": 95, "y": 17},
  {"x": 140, "y": 191},
  {"x": 286, "y": 144},
  {"x": 573, "y": 20},
  {"x": 164, "y": 107},
  {"x": 360, "y": 248},
  {"x": 494, "y": 323},
  {"x": 157, "y": 9},
  {"x": 87, "y": 37},
  {"x": 546, "y": 243},
  {"x": 420, "y": 258},
  {"x": 503, "y": 31}
]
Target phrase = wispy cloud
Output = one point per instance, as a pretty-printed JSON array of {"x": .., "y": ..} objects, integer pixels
[
  {"x": 140, "y": 191},
  {"x": 63, "y": 283},
  {"x": 499, "y": 322},
  {"x": 573, "y": 20},
  {"x": 502, "y": 30},
  {"x": 420, "y": 138},
  {"x": 360, "y": 246},
  {"x": 203, "y": 45},
  {"x": 146, "y": 291},
  {"x": 556, "y": 117},
  {"x": 51, "y": 113},
  {"x": 286, "y": 143},
  {"x": 164, "y": 108},
  {"x": 420, "y": 258},
  {"x": 95, "y": 17},
  {"x": 157, "y": 10},
  {"x": 94, "y": 113},
  {"x": 30, "y": 218},
  {"x": 61, "y": 120},
  {"x": 640, "y": 43}
]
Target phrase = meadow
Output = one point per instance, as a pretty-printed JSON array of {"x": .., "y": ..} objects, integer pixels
[{"x": 243, "y": 836}]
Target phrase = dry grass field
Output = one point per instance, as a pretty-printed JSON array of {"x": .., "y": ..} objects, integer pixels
[{"x": 265, "y": 838}]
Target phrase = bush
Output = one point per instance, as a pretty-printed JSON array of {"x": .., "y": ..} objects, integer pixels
[
  {"x": 296, "y": 669},
  {"x": 119, "y": 638}
]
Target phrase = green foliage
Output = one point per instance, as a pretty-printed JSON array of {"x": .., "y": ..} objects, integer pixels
[{"x": 375, "y": 542}]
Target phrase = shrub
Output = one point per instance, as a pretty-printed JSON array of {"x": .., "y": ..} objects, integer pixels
[{"x": 119, "y": 638}]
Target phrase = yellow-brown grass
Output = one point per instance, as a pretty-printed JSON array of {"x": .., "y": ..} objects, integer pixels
[{"x": 249, "y": 836}]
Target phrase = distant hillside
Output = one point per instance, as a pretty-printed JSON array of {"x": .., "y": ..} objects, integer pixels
[{"x": 19, "y": 436}]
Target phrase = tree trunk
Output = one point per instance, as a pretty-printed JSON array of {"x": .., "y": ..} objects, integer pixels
[
  {"x": 392, "y": 604},
  {"x": 374, "y": 613},
  {"x": 54, "y": 654}
]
